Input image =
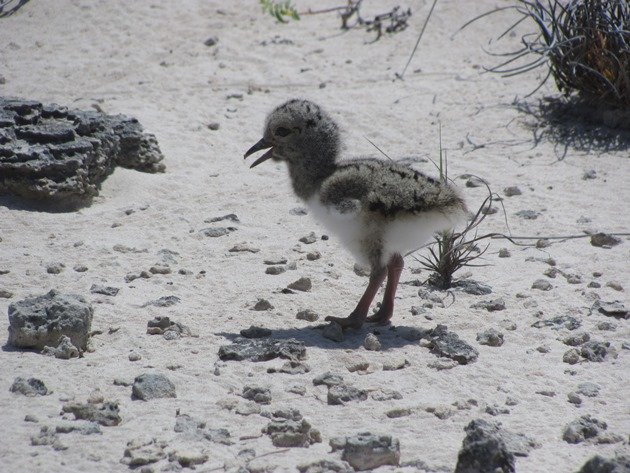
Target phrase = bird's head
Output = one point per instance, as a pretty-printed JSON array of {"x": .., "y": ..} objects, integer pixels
[{"x": 296, "y": 130}]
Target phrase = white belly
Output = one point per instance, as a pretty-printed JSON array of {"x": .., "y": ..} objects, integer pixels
[{"x": 403, "y": 234}]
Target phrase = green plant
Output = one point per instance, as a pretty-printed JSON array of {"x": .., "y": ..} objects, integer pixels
[
  {"x": 280, "y": 10},
  {"x": 451, "y": 250}
]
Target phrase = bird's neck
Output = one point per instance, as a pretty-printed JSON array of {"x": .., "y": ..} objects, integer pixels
[{"x": 316, "y": 163}]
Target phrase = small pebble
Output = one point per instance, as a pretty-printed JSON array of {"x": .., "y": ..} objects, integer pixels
[
  {"x": 371, "y": 342},
  {"x": 614, "y": 285},
  {"x": 313, "y": 255},
  {"x": 308, "y": 239},
  {"x": 133, "y": 356},
  {"x": 573, "y": 398},
  {"x": 275, "y": 270},
  {"x": 571, "y": 356},
  {"x": 302, "y": 284},
  {"x": 504, "y": 253},
  {"x": 542, "y": 285},
  {"x": 512, "y": 191},
  {"x": 308, "y": 315},
  {"x": 262, "y": 304},
  {"x": 55, "y": 268}
]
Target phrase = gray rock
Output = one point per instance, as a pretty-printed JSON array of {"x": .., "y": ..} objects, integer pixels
[
  {"x": 597, "y": 351},
  {"x": 257, "y": 394},
  {"x": 472, "y": 287},
  {"x": 64, "y": 349},
  {"x": 395, "y": 363},
  {"x": 47, "y": 436},
  {"x": 528, "y": 214},
  {"x": 496, "y": 410},
  {"x": 606, "y": 326},
  {"x": 542, "y": 285},
  {"x": 5, "y": 293},
  {"x": 105, "y": 290},
  {"x": 448, "y": 344},
  {"x": 588, "y": 389},
  {"x": 41, "y": 321},
  {"x": 28, "y": 387},
  {"x": 571, "y": 356},
  {"x": 215, "y": 232},
  {"x": 244, "y": 247},
  {"x": 164, "y": 301},
  {"x": 274, "y": 270},
  {"x": 163, "y": 325},
  {"x": 149, "y": 386},
  {"x": 308, "y": 315},
  {"x": 583, "y": 428},
  {"x": 598, "y": 464},
  {"x": 55, "y": 268},
  {"x": 325, "y": 466},
  {"x": 231, "y": 217},
  {"x": 302, "y": 284},
  {"x": 60, "y": 154},
  {"x": 367, "y": 451},
  {"x": 577, "y": 339},
  {"x": 512, "y": 191},
  {"x": 313, "y": 255},
  {"x": 328, "y": 379},
  {"x": 490, "y": 337},
  {"x": 263, "y": 349},
  {"x": 504, "y": 253},
  {"x": 308, "y": 239},
  {"x": 255, "y": 332},
  {"x": 484, "y": 451},
  {"x": 559, "y": 322},
  {"x": 83, "y": 428},
  {"x": 603, "y": 240},
  {"x": 291, "y": 431},
  {"x": 262, "y": 304},
  {"x": 384, "y": 394},
  {"x": 490, "y": 306},
  {"x": 340, "y": 394},
  {"x": 291, "y": 367},
  {"x": 333, "y": 331},
  {"x": 613, "y": 309},
  {"x": 188, "y": 458},
  {"x": 106, "y": 413},
  {"x": 194, "y": 429},
  {"x": 160, "y": 269},
  {"x": 142, "y": 452},
  {"x": 371, "y": 342},
  {"x": 573, "y": 398}
]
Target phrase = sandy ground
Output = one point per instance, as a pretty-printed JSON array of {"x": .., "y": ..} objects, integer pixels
[{"x": 148, "y": 60}]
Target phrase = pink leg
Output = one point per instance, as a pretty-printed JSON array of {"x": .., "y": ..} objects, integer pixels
[
  {"x": 384, "y": 314},
  {"x": 359, "y": 314}
]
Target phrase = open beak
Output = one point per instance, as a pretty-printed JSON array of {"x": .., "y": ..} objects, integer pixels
[{"x": 262, "y": 144}]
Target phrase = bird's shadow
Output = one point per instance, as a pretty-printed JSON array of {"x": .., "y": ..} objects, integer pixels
[
  {"x": 13, "y": 202},
  {"x": 389, "y": 336}
]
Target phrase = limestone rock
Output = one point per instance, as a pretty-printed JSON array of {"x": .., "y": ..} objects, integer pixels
[
  {"x": 37, "y": 322},
  {"x": 60, "y": 154}
]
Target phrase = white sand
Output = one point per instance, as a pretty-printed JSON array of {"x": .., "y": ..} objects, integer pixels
[{"x": 148, "y": 60}]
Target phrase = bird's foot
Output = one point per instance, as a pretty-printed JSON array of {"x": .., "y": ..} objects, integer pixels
[
  {"x": 382, "y": 317},
  {"x": 352, "y": 321}
]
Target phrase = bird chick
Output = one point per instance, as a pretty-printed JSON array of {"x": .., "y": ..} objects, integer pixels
[{"x": 380, "y": 210}]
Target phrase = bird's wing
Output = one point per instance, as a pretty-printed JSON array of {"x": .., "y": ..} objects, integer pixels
[{"x": 382, "y": 188}]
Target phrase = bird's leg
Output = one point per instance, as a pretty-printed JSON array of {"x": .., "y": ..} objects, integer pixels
[
  {"x": 359, "y": 314},
  {"x": 385, "y": 312}
]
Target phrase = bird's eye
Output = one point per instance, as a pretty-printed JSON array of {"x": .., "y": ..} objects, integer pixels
[{"x": 282, "y": 131}]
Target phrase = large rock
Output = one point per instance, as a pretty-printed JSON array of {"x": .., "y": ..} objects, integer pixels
[
  {"x": 263, "y": 349},
  {"x": 55, "y": 153},
  {"x": 484, "y": 450},
  {"x": 37, "y": 322},
  {"x": 149, "y": 386},
  {"x": 366, "y": 451},
  {"x": 598, "y": 464},
  {"x": 449, "y": 345}
]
